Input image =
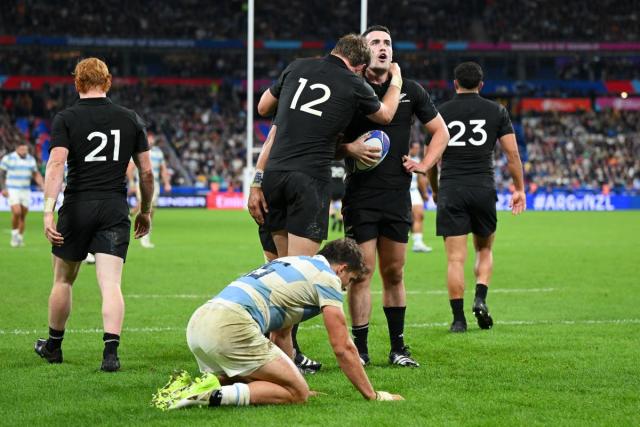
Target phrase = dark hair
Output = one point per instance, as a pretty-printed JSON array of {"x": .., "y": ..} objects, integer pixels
[
  {"x": 468, "y": 74},
  {"x": 345, "y": 251},
  {"x": 354, "y": 48},
  {"x": 373, "y": 28}
]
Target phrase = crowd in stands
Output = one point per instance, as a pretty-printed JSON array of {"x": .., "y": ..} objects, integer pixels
[
  {"x": 418, "y": 20},
  {"x": 589, "y": 150}
]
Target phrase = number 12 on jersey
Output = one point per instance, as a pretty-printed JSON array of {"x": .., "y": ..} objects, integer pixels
[
  {"x": 94, "y": 157},
  {"x": 307, "y": 107}
]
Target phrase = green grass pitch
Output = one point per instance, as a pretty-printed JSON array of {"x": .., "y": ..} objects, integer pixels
[{"x": 565, "y": 349}]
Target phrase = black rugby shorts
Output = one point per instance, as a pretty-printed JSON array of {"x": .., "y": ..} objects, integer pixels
[
  {"x": 465, "y": 209},
  {"x": 298, "y": 203},
  {"x": 96, "y": 226},
  {"x": 370, "y": 213}
]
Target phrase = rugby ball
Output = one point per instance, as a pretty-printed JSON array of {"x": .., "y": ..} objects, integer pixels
[{"x": 379, "y": 139}]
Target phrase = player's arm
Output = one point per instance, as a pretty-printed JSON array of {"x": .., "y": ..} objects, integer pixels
[
  {"x": 514, "y": 164},
  {"x": 257, "y": 204},
  {"x": 432, "y": 174},
  {"x": 347, "y": 354},
  {"x": 267, "y": 104},
  {"x": 131, "y": 177},
  {"x": 391, "y": 99},
  {"x": 145, "y": 176},
  {"x": 282, "y": 338},
  {"x": 53, "y": 178},
  {"x": 3, "y": 178},
  {"x": 37, "y": 177},
  {"x": 432, "y": 152},
  {"x": 166, "y": 178}
]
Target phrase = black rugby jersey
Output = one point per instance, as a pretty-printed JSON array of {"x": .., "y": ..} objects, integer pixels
[
  {"x": 101, "y": 138},
  {"x": 390, "y": 174},
  {"x": 475, "y": 124},
  {"x": 317, "y": 97}
]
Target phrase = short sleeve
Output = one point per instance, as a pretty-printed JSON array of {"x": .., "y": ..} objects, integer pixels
[
  {"x": 505, "y": 127},
  {"x": 141, "y": 135},
  {"x": 366, "y": 98},
  {"x": 34, "y": 165},
  {"x": 4, "y": 163},
  {"x": 327, "y": 288},
  {"x": 276, "y": 88},
  {"x": 59, "y": 133},
  {"x": 423, "y": 108}
]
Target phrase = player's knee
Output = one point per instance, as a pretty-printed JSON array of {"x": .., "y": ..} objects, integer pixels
[
  {"x": 393, "y": 274},
  {"x": 300, "y": 393}
]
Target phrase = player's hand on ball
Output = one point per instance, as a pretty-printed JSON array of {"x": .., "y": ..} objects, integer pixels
[
  {"x": 385, "y": 396},
  {"x": 50, "y": 230},
  {"x": 142, "y": 224},
  {"x": 518, "y": 202},
  {"x": 412, "y": 166},
  {"x": 362, "y": 152},
  {"x": 257, "y": 205}
]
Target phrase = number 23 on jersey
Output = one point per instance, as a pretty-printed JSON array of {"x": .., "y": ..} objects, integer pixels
[{"x": 477, "y": 129}]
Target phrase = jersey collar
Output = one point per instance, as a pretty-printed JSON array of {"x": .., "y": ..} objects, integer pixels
[
  {"x": 94, "y": 101},
  {"x": 336, "y": 61},
  {"x": 468, "y": 95}
]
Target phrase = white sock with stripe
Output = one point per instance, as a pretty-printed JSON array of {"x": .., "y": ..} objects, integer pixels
[{"x": 236, "y": 394}]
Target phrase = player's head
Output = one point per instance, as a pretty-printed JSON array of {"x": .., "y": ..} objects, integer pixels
[
  {"x": 378, "y": 39},
  {"x": 22, "y": 148},
  {"x": 354, "y": 50},
  {"x": 92, "y": 74},
  {"x": 414, "y": 149},
  {"x": 346, "y": 259},
  {"x": 468, "y": 77},
  {"x": 151, "y": 139}
]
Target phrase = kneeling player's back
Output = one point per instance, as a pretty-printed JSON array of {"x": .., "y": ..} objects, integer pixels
[{"x": 101, "y": 138}]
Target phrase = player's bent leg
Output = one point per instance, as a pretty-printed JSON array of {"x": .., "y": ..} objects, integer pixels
[
  {"x": 483, "y": 270},
  {"x": 64, "y": 274},
  {"x": 277, "y": 382},
  {"x": 456, "y": 247},
  {"x": 360, "y": 301},
  {"x": 109, "y": 274}
]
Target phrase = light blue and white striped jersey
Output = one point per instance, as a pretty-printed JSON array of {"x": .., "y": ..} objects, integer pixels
[
  {"x": 19, "y": 170},
  {"x": 286, "y": 291},
  {"x": 157, "y": 160}
]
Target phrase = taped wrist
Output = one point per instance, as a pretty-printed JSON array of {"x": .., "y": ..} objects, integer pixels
[
  {"x": 257, "y": 179},
  {"x": 49, "y": 204},
  {"x": 396, "y": 81}
]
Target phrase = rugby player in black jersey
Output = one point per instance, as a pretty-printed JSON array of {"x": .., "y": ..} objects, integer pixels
[
  {"x": 96, "y": 138},
  {"x": 466, "y": 195},
  {"x": 377, "y": 203}
]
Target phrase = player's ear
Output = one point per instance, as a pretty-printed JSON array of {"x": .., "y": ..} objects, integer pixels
[
  {"x": 455, "y": 85},
  {"x": 480, "y": 86}
]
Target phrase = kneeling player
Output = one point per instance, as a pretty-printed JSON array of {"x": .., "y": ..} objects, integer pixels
[{"x": 226, "y": 335}]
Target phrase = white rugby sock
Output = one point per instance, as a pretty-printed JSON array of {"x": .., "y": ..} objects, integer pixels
[
  {"x": 15, "y": 232},
  {"x": 235, "y": 395},
  {"x": 417, "y": 237}
]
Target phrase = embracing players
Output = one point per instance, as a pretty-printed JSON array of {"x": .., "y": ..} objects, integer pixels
[
  {"x": 96, "y": 138},
  {"x": 377, "y": 204},
  {"x": 315, "y": 99},
  {"x": 466, "y": 195}
]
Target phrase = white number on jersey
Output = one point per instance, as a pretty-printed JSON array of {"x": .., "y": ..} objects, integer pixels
[
  {"x": 93, "y": 156},
  {"x": 307, "y": 107},
  {"x": 478, "y": 127}
]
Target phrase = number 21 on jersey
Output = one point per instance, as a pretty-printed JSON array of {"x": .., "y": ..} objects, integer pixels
[
  {"x": 94, "y": 155},
  {"x": 478, "y": 128}
]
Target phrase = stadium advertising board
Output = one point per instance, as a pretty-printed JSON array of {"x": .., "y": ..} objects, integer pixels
[
  {"x": 225, "y": 200},
  {"x": 617, "y": 103},
  {"x": 566, "y": 105}
]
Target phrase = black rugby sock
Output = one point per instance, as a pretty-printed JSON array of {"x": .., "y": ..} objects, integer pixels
[
  {"x": 395, "y": 322},
  {"x": 55, "y": 339},
  {"x": 360, "y": 337},
  {"x": 481, "y": 291},
  {"x": 457, "y": 308},
  {"x": 111, "y": 343}
]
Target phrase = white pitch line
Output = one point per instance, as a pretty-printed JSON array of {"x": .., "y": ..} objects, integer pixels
[
  {"x": 409, "y": 292},
  {"x": 410, "y": 325}
]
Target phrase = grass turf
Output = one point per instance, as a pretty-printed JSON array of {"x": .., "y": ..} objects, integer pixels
[{"x": 564, "y": 350}]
